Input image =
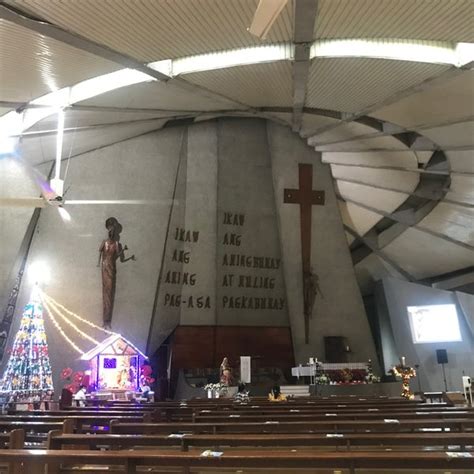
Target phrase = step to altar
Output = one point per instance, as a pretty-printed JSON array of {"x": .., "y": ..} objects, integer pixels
[{"x": 295, "y": 390}]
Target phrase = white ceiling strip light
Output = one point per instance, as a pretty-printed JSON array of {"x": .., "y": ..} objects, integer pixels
[
  {"x": 456, "y": 54},
  {"x": 434, "y": 52},
  {"x": 225, "y": 59}
]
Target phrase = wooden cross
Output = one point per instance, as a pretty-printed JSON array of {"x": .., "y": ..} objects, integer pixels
[{"x": 306, "y": 197}]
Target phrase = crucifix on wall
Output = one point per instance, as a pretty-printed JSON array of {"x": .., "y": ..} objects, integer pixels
[{"x": 306, "y": 197}]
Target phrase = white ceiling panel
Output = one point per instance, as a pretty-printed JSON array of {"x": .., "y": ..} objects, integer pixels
[
  {"x": 461, "y": 161},
  {"x": 40, "y": 149},
  {"x": 386, "y": 201},
  {"x": 460, "y": 134},
  {"x": 257, "y": 85},
  {"x": 33, "y": 65},
  {"x": 84, "y": 118},
  {"x": 462, "y": 188},
  {"x": 351, "y": 85},
  {"x": 424, "y": 255},
  {"x": 345, "y": 131},
  {"x": 405, "y": 181},
  {"x": 405, "y": 159},
  {"x": 4, "y": 110},
  {"x": 358, "y": 219},
  {"x": 160, "y": 29},
  {"x": 158, "y": 95},
  {"x": 448, "y": 101},
  {"x": 376, "y": 143},
  {"x": 448, "y": 20},
  {"x": 312, "y": 122},
  {"x": 454, "y": 221}
]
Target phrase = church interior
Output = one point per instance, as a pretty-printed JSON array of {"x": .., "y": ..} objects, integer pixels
[{"x": 237, "y": 236}]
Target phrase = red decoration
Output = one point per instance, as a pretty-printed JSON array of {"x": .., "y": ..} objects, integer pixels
[
  {"x": 66, "y": 373},
  {"x": 78, "y": 376}
]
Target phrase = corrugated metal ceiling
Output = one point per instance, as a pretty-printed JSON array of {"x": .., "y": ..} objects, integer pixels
[
  {"x": 447, "y": 20},
  {"x": 450, "y": 100},
  {"x": 83, "y": 118},
  {"x": 158, "y": 95},
  {"x": 161, "y": 29},
  {"x": 257, "y": 85},
  {"x": 32, "y": 65},
  {"x": 350, "y": 85}
]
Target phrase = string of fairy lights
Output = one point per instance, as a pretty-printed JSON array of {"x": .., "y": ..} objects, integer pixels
[{"x": 56, "y": 310}]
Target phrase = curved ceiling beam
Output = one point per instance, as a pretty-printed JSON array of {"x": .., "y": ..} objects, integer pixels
[
  {"x": 392, "y": 168},
  {"x": 389, "y": 130},
  {"x": 452, "y": 53},
  {"x": 42, "y": 26},
  {"x": 303, "y": 28},
  {"x": 434, "y": 182}
]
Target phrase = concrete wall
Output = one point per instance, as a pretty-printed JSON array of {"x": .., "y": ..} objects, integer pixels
[
  {"x": 247, "y": 229},
  {"x": 141, "y": 168},
  {"x": 400, "y": 294},
  {"x": 16, "y": 182},
  {"x": 340, "y": 312},
  {"x": 223, "y": 182}
]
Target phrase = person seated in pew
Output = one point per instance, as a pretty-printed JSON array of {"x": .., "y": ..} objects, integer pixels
[
  {"x": 80, "y": 396},
  {"x": 275, "y": 395},
  {"x": 242, "y": 395},
  {"x": 146, "y": 392}
]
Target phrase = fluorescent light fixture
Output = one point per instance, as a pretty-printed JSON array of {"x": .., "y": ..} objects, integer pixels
[
  {"x": 266, "y": 14},
  {"x": 435, "y": 52},
  {"x": 464, "y": 54},
  {"x": 39, "y": 272},
  {"x": 436, "y": 323},
  {"x": 225, "y": 59}
]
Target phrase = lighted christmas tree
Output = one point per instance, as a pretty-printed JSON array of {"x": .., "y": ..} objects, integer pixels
[{"x": 29, "y": 368}]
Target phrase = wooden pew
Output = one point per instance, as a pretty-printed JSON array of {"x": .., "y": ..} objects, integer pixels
[
  {"x": 282, "y": 417},
  {"x": 327, "y": 426},
  {"x": 81, "y": 422},
  {"x": 58, "y": 440},
  {"x": 33, "y": 462},
  {"x": 35, "y": 432}
]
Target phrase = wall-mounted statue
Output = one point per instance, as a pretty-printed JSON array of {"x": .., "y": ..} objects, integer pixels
[
  {"x": 110, "y": 250},
  {"x": 310, "y": 291}
]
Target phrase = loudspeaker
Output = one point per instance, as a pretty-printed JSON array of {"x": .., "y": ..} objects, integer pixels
[{"x": 442, "y": 356}]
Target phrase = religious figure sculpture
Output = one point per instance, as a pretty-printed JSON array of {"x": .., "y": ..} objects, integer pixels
[
  {"x": 225, "y": 372},
  {"x": 310, "y": 290},
  {"x": 110, "y": 250},
  {"x": 406, "y": 373}
]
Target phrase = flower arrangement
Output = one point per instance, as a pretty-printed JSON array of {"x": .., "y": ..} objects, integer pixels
[
  {"x": 216, "y": 387},
  {"x": 322, "y": 379},
  {"x": 371, "y": 377}
]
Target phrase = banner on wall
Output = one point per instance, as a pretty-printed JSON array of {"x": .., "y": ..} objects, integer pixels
[{"x": 245, "y": 369}]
